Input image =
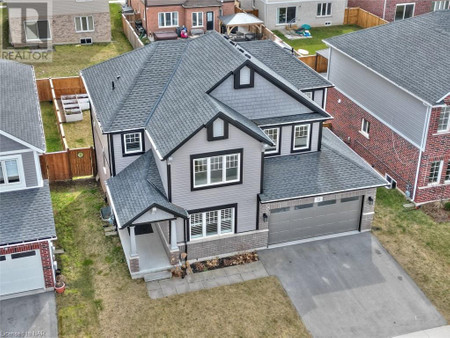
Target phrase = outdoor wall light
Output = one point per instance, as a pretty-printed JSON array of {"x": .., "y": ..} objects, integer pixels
[
  {"x": 265, "y": 217},
  {"x": 370, "y": 199}
]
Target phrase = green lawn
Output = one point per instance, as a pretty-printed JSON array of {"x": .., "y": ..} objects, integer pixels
[
  {"x": 318, "y": 34},
  {"x": 101, "y": 299},
  {"x": 68, "y": 60},
  {"x": 418, "y": 243},
  {"x": 52, "y": 137},
  {"x": 79, "y": 134}
]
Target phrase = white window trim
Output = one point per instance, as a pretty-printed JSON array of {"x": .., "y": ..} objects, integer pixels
[
  {"x": 224, "y": 170},
  {"x": 125, "y": 144},
  {"x": 307, "y": 139},
  {"x": 444, "y": 131},
  {"x": 386, "y": 176},
  {"x": 439, "y": 174},
  {"x": 441, "y": 4},
  {"x": 84, "y": 31},
  {"x": 219, "y": 225},
  {"x": 13, "y": 186},
  {"x": 404, "y": 5},
  {"x": 278, "y": 141},
  {"x": 192, "y": 17},
  {"x": 38, "y": 39},
  {"x": 321, "y": 5},
  {"x": 171, "y": 19},
  {"x": 362, "y": 131},
  {"x": 446, "y": 181},
  {"x": 278, "y": 16}
]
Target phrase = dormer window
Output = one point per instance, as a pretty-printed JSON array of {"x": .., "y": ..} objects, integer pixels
[
  {"x": 132, "y": 143},
  {"x": 244, "y": 78},
  {"x": 11, "y": 173},
  {"x": 301, "y": 140},
  {"x": 218, "y": 130}
]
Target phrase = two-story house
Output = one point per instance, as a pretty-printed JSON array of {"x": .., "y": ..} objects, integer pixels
[
  {"x": 27, "y": 228},
  {"x": 391, "y": 102},
  {"x": 392, "y": 10},
  {"x": 211, "y": 148},
  {"x": 200, "y": 15},
  {"x": 56, "y": 22}
]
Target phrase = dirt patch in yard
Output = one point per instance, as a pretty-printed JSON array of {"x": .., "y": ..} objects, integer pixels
[{"x": 437, "y": 212}]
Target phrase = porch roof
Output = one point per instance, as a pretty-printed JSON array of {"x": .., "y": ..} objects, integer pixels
[{"x": 137, "y": 189}]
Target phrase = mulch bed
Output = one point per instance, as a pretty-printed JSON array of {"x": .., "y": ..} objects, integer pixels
[
  {"x": 436, "y": 212},
  {"x": 218, "y": 263}
]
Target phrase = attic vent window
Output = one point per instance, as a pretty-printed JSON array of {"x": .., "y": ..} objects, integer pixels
[
  {"x": 244, "y": 78},
  {"x": 218, "y": 130}
]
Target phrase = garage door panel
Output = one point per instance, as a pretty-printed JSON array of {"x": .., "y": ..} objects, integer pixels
[
  {"x": 320, "y": 219},
  {"x": 23, "y": 273}
]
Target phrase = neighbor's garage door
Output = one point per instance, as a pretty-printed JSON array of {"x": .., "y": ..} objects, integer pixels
[
  {"x": 21, "y": 272},
  {"x": 315, "y": 219}
]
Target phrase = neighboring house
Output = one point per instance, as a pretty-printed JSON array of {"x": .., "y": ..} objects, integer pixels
[
  {"x": 391, "y": 10},
  {"x": 212, "y": 148},
  {"x": 391, "y": 101},
  {"x": 27, "y": 228},
  {"x": 167, "y": 15},
  {"x": 69, "y": 22},
  {"x": 278, "y": 14}
]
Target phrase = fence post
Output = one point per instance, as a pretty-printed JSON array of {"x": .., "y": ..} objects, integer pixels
[{"x": 93, "y": 162}]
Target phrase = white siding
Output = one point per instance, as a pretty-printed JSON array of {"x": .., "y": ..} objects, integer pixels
[{"x": 388, "y": 103}]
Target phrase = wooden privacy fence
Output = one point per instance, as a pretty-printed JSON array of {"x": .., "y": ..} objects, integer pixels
[
  {"x": 316, "y": 62},
  {"x": 67, "y": 164},
  {"x": 361, "y": 18},
  {"x": 130, "y": 33}
]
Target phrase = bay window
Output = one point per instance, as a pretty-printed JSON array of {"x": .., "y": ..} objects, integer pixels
[
  {"x": 222, "y": 168},
  {"x": 212, "y": 222},
  {"x": 168, "y": 19},
  {"x": 301, "y": 139}
]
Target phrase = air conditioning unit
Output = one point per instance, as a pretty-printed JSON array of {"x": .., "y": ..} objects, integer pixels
[{"x": 328, "y": 23}]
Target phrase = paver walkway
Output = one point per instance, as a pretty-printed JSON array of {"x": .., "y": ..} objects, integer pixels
[{"x": 206, "y": 280}]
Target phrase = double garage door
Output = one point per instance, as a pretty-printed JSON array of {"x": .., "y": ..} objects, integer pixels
[
  {"x": 20, "y": 272},
  {"x": 316, "y": 219}
]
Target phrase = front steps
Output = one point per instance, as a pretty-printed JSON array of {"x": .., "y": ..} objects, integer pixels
[{"x": 155, "y": 276}]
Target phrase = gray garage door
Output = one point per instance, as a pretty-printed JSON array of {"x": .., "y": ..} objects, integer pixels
[
  {"x": 21, "y": 272},
  {"x": 315, "y": 219}
]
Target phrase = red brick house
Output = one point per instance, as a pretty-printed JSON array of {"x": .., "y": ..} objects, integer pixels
[
  {"x": 166, "y": 15},
  {"x": 391, "y": 102},
  {"x": 391, "y": 10}
]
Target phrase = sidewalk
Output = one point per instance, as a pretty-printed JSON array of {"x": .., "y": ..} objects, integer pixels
[
  {"x": 437, "y": 332},
  {"x": 206, "y": 280}
]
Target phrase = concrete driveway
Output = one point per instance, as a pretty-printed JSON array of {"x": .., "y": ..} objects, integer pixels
[
  {"x": 350, "y": 287},
  {"x": 29, "y": 316}
]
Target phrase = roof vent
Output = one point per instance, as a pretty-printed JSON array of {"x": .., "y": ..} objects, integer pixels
[
  {"x": 248, "y": 56},
  {"x": 241, "y": 50},
  {"x": 233, "y": 43},
  {"x": 118, "y": 77},
  {"x": 113, "y": 86}
]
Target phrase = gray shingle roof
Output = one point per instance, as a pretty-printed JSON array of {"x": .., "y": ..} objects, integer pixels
[
  {"x": 26, "y": 215},
  {"x": 290, "y": 118},
  {"x": 335, "y": 168},
  {"x": 285, "y": 64},
  {"x": 137, "y": 188},
  {"x": 20, "y": 113},
  {"x": 413, "y": 53}
]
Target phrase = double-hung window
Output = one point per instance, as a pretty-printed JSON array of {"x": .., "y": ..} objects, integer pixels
[
  {"x": 365, "y": 127},
  {"x": 132, "y": 143},
  {"x": 274, "y": 135},
  {"x": 11, "y": 173},
  {"x": 444, "y": 120},
  {"x": 212, "y": 223},
  {"x": 440, "y": 5},
  {"x": 197, "y": 19},
  {"x": 435, "y": 172},
  {"x": 324, "y": 9},
  {"x": 37, "y": 30},
  {"x": 301, "y": 137},
  {"x": 404, "y": 11},
  {"x": 447, "y": 173},
  {"x": 84, "y": 24},
  {"x": 217, "y": 169},
  {"x": 168, "y": 19},
  {"x": 286, "y": 15}
]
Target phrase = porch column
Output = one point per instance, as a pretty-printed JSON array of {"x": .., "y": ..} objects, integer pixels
[
  {"x": 132, "y": 242},
  {"x": 173, "y": 235}
]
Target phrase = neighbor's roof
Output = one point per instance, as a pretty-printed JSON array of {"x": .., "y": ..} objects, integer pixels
[
  {"x": 20, "y": 113},
  {"x": 335, "y": 168},
  {"x": 240, "y": 19},
  {"x": 137, "y": 188},
  {"x": 413, "y": 53},
  {"x": 26, "y": 215},
  {"x": 282, "y": 62}
]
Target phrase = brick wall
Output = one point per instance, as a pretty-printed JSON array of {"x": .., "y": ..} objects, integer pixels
[
  {"x": 372, "y": 6},
  {"x": 377, "y": 6},
  {"x": 385, "y": 150},
  {"x": 45, "y": 252}
]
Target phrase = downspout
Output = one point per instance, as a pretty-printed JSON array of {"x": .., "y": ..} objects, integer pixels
[
  {"x": 145, "y": 16},
  {"x": 384, "y": 9}
]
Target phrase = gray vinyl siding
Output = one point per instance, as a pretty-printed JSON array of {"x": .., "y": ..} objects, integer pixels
[
  {"x": 29, "y": 169},
  {"x": 121, "y": 162},
  {"x": 6, "y": 144},
  {"x": 286, "y": 138},
  {"x": 162, "y": 168},
  {"x": 263, "y": 100},
  {"x": 318, "y": 97},
  {"x": 386, "y": 102},
  {"x": 101, "y": 146},
  {"x": 243, "y": 194}
]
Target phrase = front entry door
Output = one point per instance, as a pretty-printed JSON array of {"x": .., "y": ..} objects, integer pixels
[{"x": 209, "y": 21}]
